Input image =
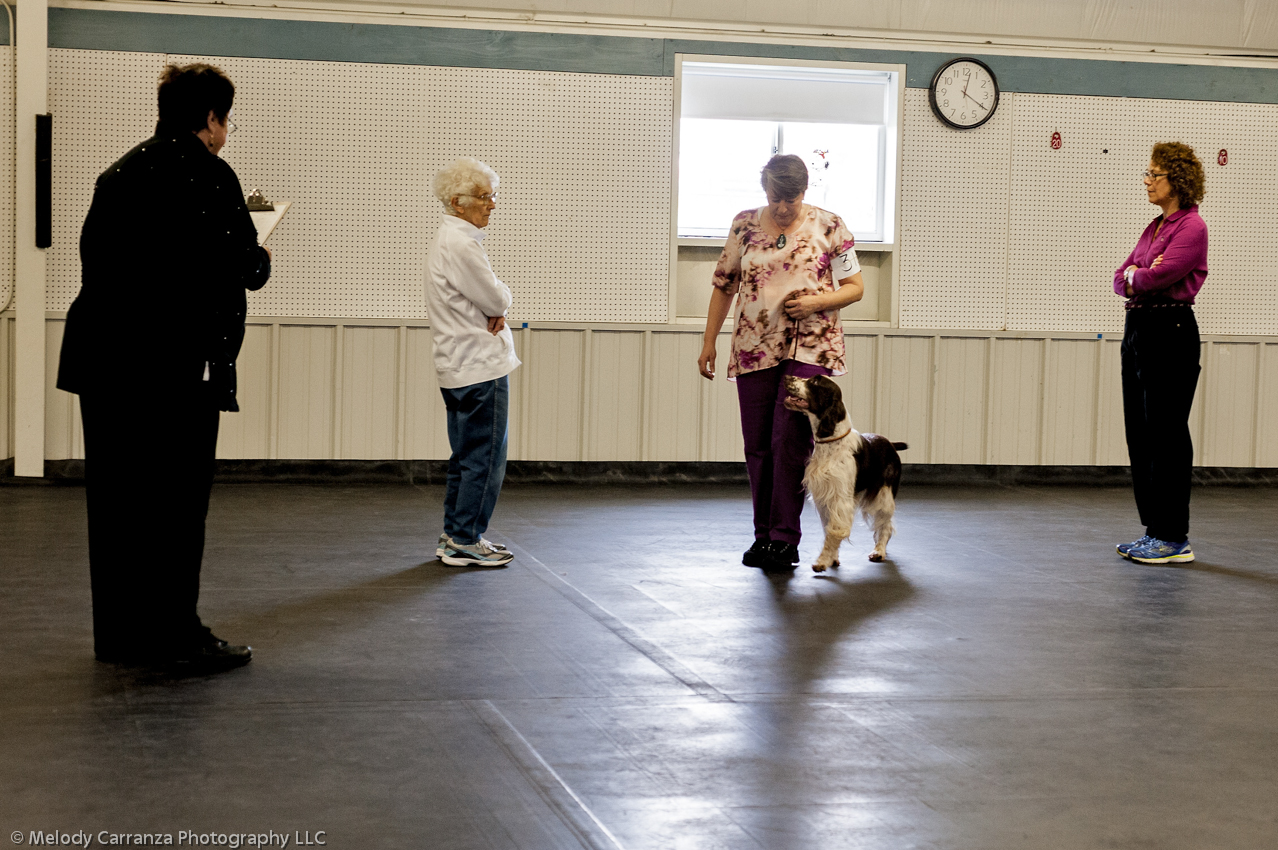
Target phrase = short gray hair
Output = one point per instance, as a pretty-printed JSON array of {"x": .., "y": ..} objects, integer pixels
[
  {"x": 786, "y": 175},
  {"x": 462, "y": 178}
]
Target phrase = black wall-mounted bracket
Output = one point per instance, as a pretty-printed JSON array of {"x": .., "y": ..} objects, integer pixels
[{"x": 44, "y": 181}]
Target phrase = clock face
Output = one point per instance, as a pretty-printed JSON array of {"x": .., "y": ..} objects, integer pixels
[{"x": 964, "y": 93}]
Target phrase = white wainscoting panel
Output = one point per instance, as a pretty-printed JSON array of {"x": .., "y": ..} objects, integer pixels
[
  {"x": 858, "y": 384},
  {"x": 1266, "y": 452},
  {"x": 370, "y": 393},
  {"x": 958, "y": 431},
  {"x": 554, "y": 381},
  {"x": 721, "y": 412},
  {"x": 1111, "y": 439},
  {"x": 674, "y": 417},
  {"x": 615, "y": 407},
  {"x": 1069, "y": 400},
  {"x": 306, "y": 391},
  {"x": 903, "y": 392},
  {"x": 6, "y": 387},
  {"x": 1017, "y": 401},
  {"x": 1229, "y": 383},
  {"x": 63, "y": 432},
  {"x": 354, "y": 390}
]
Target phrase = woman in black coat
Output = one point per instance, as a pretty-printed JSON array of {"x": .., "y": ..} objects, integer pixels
[{"x": 168, "y": 251}]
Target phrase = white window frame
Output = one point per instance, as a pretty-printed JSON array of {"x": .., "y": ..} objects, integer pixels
[{"x": 891, "y": 149}]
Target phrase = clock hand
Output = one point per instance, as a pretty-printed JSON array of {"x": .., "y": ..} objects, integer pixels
[{"x": 974, "y": 100}]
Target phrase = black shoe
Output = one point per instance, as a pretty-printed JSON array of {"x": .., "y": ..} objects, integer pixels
[
  {"x": 212, "y": 655},
  {"x": 757, "y": 554},
  {"x": 782, "y": 557}
]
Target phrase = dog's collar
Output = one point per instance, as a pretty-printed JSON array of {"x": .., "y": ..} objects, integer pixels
[{"x": 833, "y": 439}]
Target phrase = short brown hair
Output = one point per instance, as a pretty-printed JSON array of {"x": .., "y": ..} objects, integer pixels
[
  {"x": 1184, "y": 171},
  {"x": 189, "y": 92},
  {"x": 785, "y": 175}
]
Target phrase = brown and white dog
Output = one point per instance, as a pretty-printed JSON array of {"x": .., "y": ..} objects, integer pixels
[{"x": 848, "y": 471}]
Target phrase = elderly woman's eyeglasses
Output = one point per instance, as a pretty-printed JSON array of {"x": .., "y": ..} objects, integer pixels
[
  {"x": 1152, "y": 175},
  {"x": 484, "y": 198}
]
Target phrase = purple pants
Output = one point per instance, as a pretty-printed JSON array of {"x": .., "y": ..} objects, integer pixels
[{"x": 777, "y": 445}]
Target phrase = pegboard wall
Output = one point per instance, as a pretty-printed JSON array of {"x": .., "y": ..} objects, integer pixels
[
  {"x": 997, "y": 229},
  {"x": 581, "y": 231},
  {"x": 1001, "y": 231},
  {"x": 954, "y": 189},
  {"x": 1076, "y": 212},
  {"x": 7, "y": 141}
]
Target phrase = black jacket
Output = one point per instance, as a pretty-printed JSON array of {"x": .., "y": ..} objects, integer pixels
[{"x": 167, "y": 252}]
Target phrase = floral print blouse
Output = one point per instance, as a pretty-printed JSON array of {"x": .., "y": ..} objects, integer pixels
[{"x": 765, "y": 276}]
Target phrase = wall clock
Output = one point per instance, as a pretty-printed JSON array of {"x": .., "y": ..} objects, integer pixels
[{"x": 964, "y": 93}]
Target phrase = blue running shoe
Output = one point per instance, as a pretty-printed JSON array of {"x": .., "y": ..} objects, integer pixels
[
  {"x": 1161, "y": 552},
  {"x": 1125, "y": 549}
]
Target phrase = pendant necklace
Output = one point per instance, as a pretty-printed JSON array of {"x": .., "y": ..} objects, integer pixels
[{"x": 781, "y": 240}]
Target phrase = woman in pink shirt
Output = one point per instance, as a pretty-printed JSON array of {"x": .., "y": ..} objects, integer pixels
[
  {"x": 791, "y": 267},
  {"x": 1160, "y": 279}
]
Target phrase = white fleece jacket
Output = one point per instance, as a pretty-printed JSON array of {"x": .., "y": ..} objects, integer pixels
[{"x": 461, "y": 293}]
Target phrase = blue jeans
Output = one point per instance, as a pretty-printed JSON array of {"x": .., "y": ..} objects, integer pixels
[{"x": 477, "y": 435}]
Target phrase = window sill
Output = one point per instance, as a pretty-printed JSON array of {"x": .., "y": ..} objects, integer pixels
[{"x": 718, "y": 242}]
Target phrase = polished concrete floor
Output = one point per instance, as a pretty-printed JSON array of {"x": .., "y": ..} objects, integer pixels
[{"x": 1005, "y": 681}]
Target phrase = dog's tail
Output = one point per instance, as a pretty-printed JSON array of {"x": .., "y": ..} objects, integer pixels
[{"x": 900, "y": 447}]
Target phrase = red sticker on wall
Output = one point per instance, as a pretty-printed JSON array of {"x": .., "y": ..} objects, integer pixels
[
  {"x": 1056, "y": 141},
  {"x": 1222, "y": 158}
]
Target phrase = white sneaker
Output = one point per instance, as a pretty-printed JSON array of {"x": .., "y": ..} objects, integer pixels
[
  {"x": 442, "y": 547},
  {"x": 479, "y": 554}
]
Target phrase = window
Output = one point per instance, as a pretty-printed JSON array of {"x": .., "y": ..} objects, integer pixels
[{"x": 841, "y": 119}]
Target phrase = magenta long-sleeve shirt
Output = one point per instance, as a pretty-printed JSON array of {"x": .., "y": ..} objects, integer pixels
[{"x": 1182, "y": 242}]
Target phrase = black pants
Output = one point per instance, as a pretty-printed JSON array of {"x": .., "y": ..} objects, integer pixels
[
  {"x": 148, "y": 473},
  {"x": 1160, "y": 373}
]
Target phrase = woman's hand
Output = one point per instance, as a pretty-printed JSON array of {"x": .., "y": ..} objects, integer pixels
[
  {"x": 1127, "y": 273},
  {"x": 705, "y": 363},
  {"x": 1158, "y": 261},
  {"x": 720, "y": 303},
  {"x": 496, "y": 324},
  {"x": 800, "y": 304}
]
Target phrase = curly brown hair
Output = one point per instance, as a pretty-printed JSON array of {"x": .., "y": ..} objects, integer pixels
[{"x": 1184, "y": 171}]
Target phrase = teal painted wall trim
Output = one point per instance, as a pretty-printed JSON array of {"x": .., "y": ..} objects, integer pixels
[
  {"x": 1101, "y": 77},
  {"x": 89, "y": 29}
]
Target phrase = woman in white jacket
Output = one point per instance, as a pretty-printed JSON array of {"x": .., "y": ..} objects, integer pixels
[{"x": 474, "y": 352}]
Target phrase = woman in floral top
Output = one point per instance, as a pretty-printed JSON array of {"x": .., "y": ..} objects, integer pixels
[{"x": 792, "y": 267}]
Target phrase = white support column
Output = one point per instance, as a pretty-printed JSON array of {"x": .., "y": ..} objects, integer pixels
[{"x": 29, "y": 261}]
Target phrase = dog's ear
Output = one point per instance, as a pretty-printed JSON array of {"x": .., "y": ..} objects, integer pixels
[{"x": 827, "y": 398}]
